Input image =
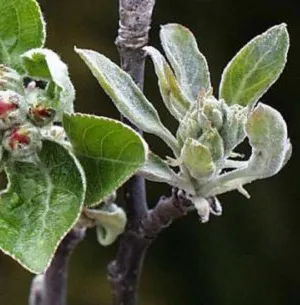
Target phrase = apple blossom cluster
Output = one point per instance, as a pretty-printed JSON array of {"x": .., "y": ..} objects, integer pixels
[{"x": 23, "y": 113}]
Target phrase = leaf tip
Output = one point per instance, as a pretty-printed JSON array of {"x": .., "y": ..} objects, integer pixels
[
  {"x": 282, "y": 25},
  {"x": 174, "y": 26},
  {"x": 80, "y": 51},
  {"x": 280, "y": 28},
  {"x": 77, "y": 50}
]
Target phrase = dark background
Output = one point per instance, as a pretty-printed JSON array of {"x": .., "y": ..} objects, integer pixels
[{"x": 249, "y": 255}]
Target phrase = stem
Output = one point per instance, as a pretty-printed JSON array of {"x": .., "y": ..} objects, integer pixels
[
  {"x": 228, "y": 182},
  {"x": 164, "y": 213},
  {"x": 36, "y": 291},
  {"x": 124, "y": 271},
  {"x": 143, "y": 225},
  {"x": 50, "y": 288}
]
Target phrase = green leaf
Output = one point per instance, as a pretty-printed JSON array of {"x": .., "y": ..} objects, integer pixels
[
  {"x": 110, "y": 222},
  {"x": 171, "y": 93},
  {"x": 189, "y": 64},
  {"x": 42, "y": 203},
  {"x": 126, "y": 95},
  {"x": 109, "y": 151},
  {"x": 255, "y": 67},
  {"x": 44, "y": 64},
  {"x": 22, "y": 27}
]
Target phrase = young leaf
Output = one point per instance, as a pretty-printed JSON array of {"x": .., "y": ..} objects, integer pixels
[
  {"x": 42, "y": 202},
  {"x": 156, "y": 169},
  {"x": 109, "y": 151},
  {"x": 171, "y": 93},
  {"x": 110, "y": 220},
  {"x": 44, "y": 64},
  {"x": 21, "y": 28},
  {"x": 255, "y": 67},
  {"x": 126, "y": 95},
  {"x": 189, "y": 64},
  {"x": 267, "y": 133}
]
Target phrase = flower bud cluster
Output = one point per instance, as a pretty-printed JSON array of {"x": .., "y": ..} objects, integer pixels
[
  {"x": 209, "y": 132},
  {"x": 21, "y": 117},
  {"x": 208, "y": 135}
]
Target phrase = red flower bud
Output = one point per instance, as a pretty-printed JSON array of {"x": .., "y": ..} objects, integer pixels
[
  {"x": 22, "y": 142},
  {"x": 6, "y": 106},
  {"x": 41, "y": 115},
  {"x": 18, "y": 137},
  {"x": 12, "y": 109}
]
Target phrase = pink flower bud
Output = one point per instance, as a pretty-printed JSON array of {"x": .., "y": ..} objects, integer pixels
[
  {"x": 22, "y": 142},
  {"x": 41, "y": 115},
  {"x": 12, "y": 112}
]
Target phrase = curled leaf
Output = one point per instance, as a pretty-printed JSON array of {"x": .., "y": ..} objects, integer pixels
[
  {"x": 110, "y": 222},
  {"x": 44, "y": 64},
  {"x": 267, "y": 133}
]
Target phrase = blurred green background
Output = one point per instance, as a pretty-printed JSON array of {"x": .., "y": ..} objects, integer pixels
[{"x": 249, "y": 255}]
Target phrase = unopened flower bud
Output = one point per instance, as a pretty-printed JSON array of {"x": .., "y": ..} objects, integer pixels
[
  {"x": 12, "y": 112},
  {"x": 213, "y": 141},
  {"x": 233, "y": 129},
  {"x": 212, "y": 109},
  {"x": 188, "y": 128},
  {"x": 41, "y": 115},
  {"x": 198, "y": 160},
  {"x": 22, "y": 142},
  {"x": 204, "y": 115}
]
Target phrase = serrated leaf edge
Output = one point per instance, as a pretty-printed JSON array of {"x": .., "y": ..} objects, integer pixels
[
  {"x": 66, "y": 232},
  {"x": 43, "y": 22},
  {"x": 145, "y": 145}
]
